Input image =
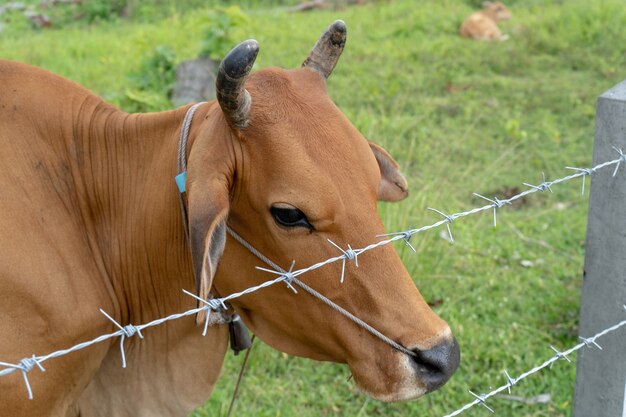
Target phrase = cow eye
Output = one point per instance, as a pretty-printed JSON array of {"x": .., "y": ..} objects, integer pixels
[{"x": 290, "y": 217}]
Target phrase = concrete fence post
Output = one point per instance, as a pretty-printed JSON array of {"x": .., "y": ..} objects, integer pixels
[{"x": 601, "y": 374}]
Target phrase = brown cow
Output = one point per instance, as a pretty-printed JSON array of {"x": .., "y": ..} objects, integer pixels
[
  {"x": 90, "y": 219},
  {"x": 482, "y": 26}
]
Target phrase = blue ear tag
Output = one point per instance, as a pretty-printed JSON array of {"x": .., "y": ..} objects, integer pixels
[{"x": 181, "y": 179}]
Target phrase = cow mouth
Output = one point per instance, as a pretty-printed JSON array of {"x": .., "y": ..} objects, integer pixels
[{"x": 409, "y": 377}]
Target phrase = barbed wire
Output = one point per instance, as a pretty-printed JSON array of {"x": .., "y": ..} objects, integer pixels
[
  {"x": 27, "y": 364},
  {"x": 558, "y": 355}
]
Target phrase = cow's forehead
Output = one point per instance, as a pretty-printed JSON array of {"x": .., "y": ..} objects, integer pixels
[
  {"x": 300, "y": 149},
  {"x": 295, "y": 125},
  {"x": 280, "y": 95},
  {"x": 293, "y": 108}
]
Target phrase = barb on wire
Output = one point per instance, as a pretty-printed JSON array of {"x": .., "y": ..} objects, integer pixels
[
  {"x": 27, "y": 364},
  {"x": 287, "y": 275},
  {"x": 590, "y": 342},
  {"x": 545, "y": 185},
  {"x": 510, "y": 381},
  {"x": 622, "y": 158},
  {"x": 480, "y": 399},
  {"x": 127, "y": 331},
  {"x": 406, "y": 237},
  {"x": 448, "y": 219},
  {"x": 496, "y": 205},
  {"x": 213, "y": 304},
  {"x": 559, "y": 356},
  {"x": 348, "y": 254},
  {"x": 585, "y": 172}
]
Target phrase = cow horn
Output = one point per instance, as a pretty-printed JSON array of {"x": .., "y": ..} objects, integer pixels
[
  {"x": 327, "y": 50},
  {"x": 230, "y": 84}
]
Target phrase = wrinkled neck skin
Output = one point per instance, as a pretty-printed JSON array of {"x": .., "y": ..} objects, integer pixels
[{"x": 126, "y": 167}]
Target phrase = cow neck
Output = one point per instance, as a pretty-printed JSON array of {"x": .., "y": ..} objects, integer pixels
[{"x": 130, "y": 203}]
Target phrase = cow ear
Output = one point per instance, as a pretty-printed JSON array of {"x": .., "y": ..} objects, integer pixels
[
  {"x": 209, "y": 204},
  {"x": 393, "y": 186}
]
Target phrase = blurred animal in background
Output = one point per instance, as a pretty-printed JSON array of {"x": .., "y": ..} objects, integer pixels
[{"x": 482, "y": 26}]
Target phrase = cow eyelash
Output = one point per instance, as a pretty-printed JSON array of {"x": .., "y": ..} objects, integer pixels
[{"x": 290, "y": 217}]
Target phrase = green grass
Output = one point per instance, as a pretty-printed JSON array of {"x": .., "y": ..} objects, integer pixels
[{"x": 460, "y": 117}]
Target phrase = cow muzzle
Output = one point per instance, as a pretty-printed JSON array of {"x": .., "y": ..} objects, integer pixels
[
  {"x": 401, "y": 377},
  {"x": 436, "y": 365}
]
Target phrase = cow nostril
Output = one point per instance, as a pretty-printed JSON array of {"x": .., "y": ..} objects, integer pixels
[{"x": 435, "y": 366}]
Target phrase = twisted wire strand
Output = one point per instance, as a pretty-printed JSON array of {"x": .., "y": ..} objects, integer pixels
[
  {"x": 25, "y": 365},
  {"x": 184, "y": 134}
]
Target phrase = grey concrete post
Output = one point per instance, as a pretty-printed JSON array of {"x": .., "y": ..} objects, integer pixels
[{"x": 601, "y": 374}]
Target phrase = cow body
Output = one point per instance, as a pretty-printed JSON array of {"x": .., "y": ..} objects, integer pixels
[
  {"x": 85, "y": 226},
  {"x": 90, "y": 219},
  {"x": 483, "y": 26}
]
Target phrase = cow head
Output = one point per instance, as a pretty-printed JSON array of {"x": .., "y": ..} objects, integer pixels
[{"x": 278, "y": 161}]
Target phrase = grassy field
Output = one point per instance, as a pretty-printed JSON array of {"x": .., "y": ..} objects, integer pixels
[{"x": 460, "y": 117}]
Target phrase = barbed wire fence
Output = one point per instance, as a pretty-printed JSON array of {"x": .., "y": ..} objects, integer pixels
[
  {"x": 590, "y": 342},
  {"x": 289, "y": 277}
]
